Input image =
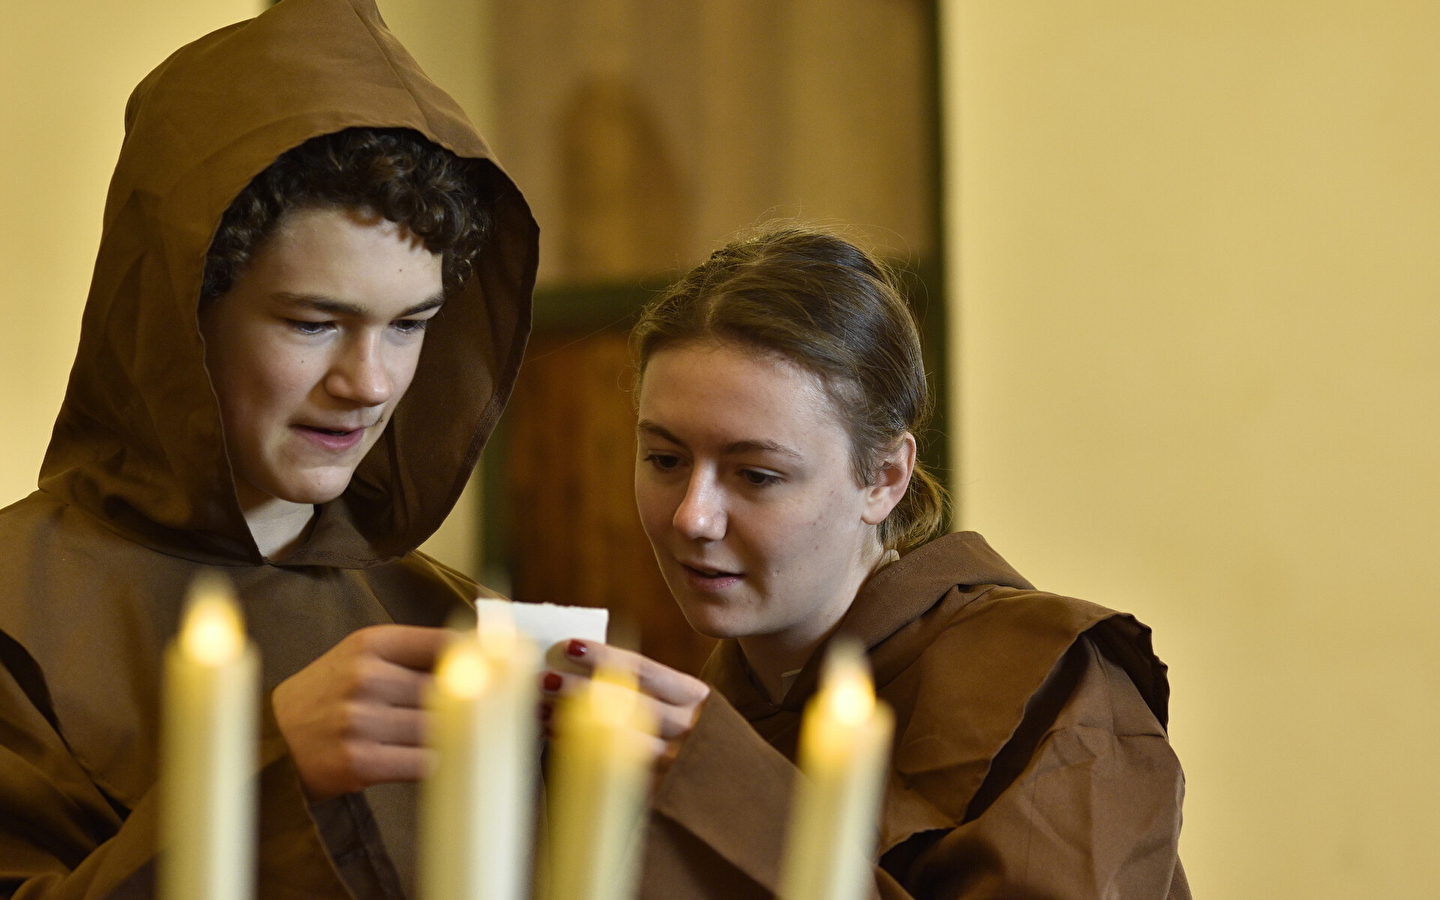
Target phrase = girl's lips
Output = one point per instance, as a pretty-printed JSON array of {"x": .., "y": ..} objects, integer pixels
[
  {"x": 336, "y": 441},
  {"x": 709, "y": 583}
]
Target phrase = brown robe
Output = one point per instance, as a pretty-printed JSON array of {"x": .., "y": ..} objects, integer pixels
[
  {"x": 1030, "y": 757},
  {"x": 136, "y": 492}
]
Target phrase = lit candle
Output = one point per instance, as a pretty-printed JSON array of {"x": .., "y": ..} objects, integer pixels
[
  {"x": 843, "y": 756},
  {"x": 208, "y": 752},
  {"x": 601, "y": 758},
  {"x": 476, "y": 818}
]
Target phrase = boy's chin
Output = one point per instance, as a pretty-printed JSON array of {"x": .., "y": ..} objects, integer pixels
[{"x": 316, "y": 491}]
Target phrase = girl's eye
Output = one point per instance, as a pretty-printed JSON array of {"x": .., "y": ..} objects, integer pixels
[
  {"x": 760, "y": 479},
  {"x": 664, "y": 462},
  {"x": 307, "y": 327},
  {"x": 412, "y": 326}
]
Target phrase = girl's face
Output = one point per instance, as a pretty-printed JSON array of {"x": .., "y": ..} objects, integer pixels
[{"x": 745, "y": 488}]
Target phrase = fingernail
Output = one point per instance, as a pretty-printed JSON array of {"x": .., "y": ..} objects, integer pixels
[
  {"x": 575, "y": 648},
  {"x": 545, "y": 712},
  {"x": 551, "y": 681}
]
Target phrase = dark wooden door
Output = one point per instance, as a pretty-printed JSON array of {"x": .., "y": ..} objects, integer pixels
[{"x": 574, "y": 535}]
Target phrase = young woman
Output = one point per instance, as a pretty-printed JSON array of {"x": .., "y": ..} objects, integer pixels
[{"x": 780, "y": 391}]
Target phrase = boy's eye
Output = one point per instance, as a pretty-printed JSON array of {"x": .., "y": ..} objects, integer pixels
[
  {"x": 760, "y": 479},
  {"x": 307, "y": 327},
  {"x": 663, "y": 461},
  {"x": 412, "y": 326}
]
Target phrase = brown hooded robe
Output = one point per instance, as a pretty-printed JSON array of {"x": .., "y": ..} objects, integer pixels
[
  {"x": 1030, "y": 757},
  {"x": 136, "y": 491}
]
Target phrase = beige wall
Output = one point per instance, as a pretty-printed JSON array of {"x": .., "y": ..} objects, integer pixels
[
  {"x": 66, "y": 69},
  {"x": 1199, "y": 377}
]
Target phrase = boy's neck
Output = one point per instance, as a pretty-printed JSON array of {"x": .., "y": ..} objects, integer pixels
[{"x": 278, "y": 526}]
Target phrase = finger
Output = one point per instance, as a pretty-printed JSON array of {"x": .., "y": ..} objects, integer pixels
[
  {"x": 653, "y": 678},
  {"x": 388, "y": 725},
  {"x": 373, "y": 763},
  {"x": 390, "y": 684},
  {"x": 580, "y": 653},
  {"x": 673, "y": 722},
  {"x": 668, "y": 721},
  {"x": 411, "y": 646},
  {"x": 558, "y": 684},
  {"x": 669, "y": 686}
]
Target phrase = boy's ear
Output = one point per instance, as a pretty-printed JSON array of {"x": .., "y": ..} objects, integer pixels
[{"x": 891, "y": 478}]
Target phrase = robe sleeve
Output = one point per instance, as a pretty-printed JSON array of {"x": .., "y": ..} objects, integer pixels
[
  {"x": 718, "y": 820},
  {"x": 1083, "y": 804},
  {"x": 62, "y": 839}
]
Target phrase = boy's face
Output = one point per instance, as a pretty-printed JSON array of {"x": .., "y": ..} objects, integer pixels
[{"x": 312, "y": 348}]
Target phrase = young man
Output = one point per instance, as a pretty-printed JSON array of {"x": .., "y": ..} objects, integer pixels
[{"x": 309, "y": 307}]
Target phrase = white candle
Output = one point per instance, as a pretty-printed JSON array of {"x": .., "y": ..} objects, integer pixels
[
  {"x": 601, "y": 758},
  {"x": 843, "y": 757},
  {"x": 208, "y": 752},
  {"x": 477, "y": 805}
]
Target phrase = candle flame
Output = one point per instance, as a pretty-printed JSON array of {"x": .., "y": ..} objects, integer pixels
[
  {"x": 463, "y": 670},
  {"x": 849, "y": 694},
  {"x": 851, "y": 701},
  {"x": 213, "y": 633}
]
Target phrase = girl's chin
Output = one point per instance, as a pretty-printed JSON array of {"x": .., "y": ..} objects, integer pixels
[{"x": 715, "y": 621}]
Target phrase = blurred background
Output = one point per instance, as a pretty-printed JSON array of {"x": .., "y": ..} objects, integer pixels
[{"x": 1176, "y": 269}]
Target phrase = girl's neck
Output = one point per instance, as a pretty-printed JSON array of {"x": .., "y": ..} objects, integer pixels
[{"x": 773, "y": 656}]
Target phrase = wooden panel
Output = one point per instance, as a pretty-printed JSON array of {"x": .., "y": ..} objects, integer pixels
[
  {"x": 820, "y": 109},
  {"x": 575, "y": 536}
]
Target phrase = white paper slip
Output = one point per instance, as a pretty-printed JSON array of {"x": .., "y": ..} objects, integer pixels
[{"x": 547, "y": 624}]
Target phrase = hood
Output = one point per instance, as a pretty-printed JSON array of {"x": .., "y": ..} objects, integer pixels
[{"x": 138, "y": 441}]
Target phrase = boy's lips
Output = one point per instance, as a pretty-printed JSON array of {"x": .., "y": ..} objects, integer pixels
[{"x": 332, "y": 438}]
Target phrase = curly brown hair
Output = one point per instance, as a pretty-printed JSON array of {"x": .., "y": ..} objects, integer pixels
[
  {"x": 394, "y": 172},
  {"x": 819, "y": 301}
]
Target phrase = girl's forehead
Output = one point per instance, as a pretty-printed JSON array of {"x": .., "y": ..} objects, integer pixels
[
  {"x": 724, "y": 370},
  {"x": 732, "y": 392}
]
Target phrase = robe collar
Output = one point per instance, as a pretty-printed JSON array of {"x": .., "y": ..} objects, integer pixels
[{"x": 891, "y": 601}]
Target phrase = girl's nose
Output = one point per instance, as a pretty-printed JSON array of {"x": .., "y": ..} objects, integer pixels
[{"x": 701, "y": 513}]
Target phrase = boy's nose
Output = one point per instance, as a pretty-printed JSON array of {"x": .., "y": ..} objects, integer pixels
[{"x": 360, "y": 375}]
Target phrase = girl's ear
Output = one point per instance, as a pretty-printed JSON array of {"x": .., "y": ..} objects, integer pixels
[{"x": 892, "y": 477}]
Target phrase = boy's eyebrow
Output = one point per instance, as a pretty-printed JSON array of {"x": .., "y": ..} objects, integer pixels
[
  {"x": 648, "y": 427},
  {"x": 331, "y": 306}
]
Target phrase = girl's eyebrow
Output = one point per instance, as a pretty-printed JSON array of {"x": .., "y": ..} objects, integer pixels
[
  {"x": 333, "y": 307},
  {"x": 760, "y": 447},
  {"x": 731, "y": 449},
  {"x": 648, "y": 427}
]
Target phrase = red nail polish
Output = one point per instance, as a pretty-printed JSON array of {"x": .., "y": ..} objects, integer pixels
[
  {"x": 545, "y": 712},
  {"x": 575, "y": 648},
  {"x": 552, "y": 681}
]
